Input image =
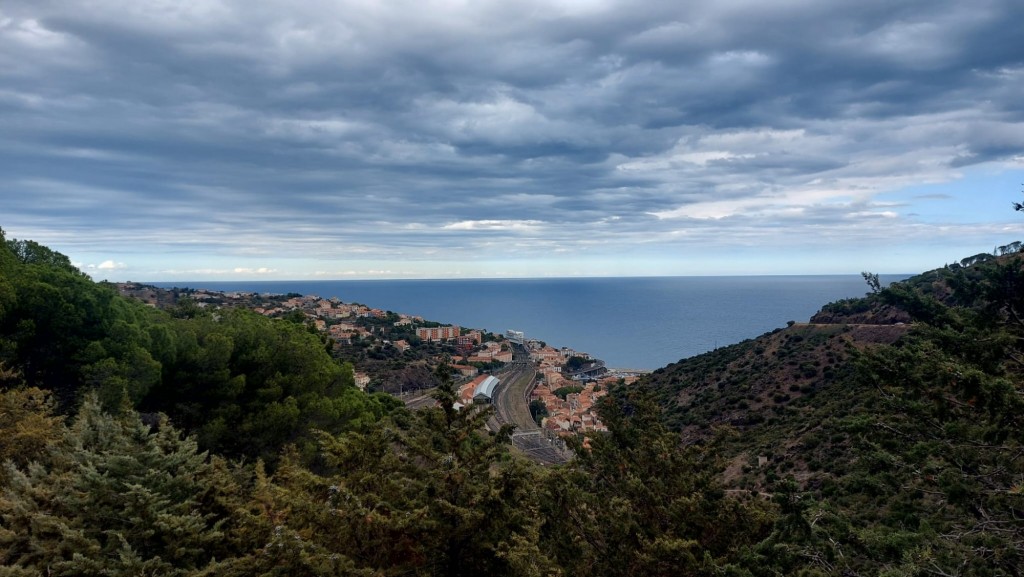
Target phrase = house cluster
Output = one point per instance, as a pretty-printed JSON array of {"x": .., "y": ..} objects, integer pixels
[
  {"x": 336, "y": 318},
  {"x": 317, "y": 308},
  {"x": 340, "y": 321},
  {"x": 345, "y": 332},
  {"x": 551, "y": 360},
  {"x": 490, "y": 352},
  {"x": 575, "y": 413}
]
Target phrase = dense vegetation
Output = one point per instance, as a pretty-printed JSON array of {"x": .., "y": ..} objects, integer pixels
[
  {"x": 883, "y": 438},
  {"x": 892, "y": 427},
  {"x": 244, "y": 384}
]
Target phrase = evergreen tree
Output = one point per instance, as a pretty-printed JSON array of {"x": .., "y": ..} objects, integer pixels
[
  {"x": 249, "y": 385},
  {"x": 636, "y": 503},
  {"x": 28, "y": 424},
  {"x": 114, "y": 498},
  {"x": 428, "y": 493}
]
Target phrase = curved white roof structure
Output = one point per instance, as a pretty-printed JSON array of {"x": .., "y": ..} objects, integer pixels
[{"x": 486, "y": 388}]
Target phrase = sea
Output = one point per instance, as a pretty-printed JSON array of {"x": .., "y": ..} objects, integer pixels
[{"x": 630, "y": 323}]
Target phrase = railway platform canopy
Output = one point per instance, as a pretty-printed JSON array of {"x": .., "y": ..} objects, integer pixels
[{"x": 484, "y": 392}]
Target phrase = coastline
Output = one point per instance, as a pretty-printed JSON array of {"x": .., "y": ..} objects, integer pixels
[{"x": 634, "y": 322}]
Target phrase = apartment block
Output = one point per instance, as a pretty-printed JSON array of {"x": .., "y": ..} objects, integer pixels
[{"x": 437, "y": 333}]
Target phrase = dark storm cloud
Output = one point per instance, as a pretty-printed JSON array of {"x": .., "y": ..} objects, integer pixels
[{"x": 426, "y": 125}]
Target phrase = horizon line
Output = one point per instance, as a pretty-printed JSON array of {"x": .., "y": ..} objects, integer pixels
[{"x": 511, "y": 278}]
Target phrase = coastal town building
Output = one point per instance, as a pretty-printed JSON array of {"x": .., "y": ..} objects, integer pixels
[
  {"x": 437, "y": 333},
  {"x": 546, "y": 354},
  {"x": 470, "y": 338},
  {"x": 362, "y": 380},
  {"x": 491, "y": 352},
  {"x": 466, "y": 390},
  {"x": 574, "y": 413},
  {"x": 466, "y": 370}
]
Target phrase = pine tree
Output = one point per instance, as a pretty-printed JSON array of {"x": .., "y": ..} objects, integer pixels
[
  {"x": 427, "y": 493},
  {"x": 28, "y": 424},
  {"x": 115, "y": 498},
  {"x": 636, "y": 503}
]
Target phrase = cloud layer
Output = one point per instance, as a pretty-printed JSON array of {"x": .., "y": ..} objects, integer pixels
[{"x": 279, "y": 139}]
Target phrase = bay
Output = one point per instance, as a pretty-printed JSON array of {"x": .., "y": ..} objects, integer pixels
[{"x": 629, "y": 322}]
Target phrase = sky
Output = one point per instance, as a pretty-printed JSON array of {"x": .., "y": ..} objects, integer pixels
[{"x": 165, "y": 140}]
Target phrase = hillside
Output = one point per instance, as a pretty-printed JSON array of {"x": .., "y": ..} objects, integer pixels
[
  {"x": 245, "y": 385},
  {"x": 199, "y": 442},
  {"x": 883, "y": 437},
  {"x": 892, "y": 424}
]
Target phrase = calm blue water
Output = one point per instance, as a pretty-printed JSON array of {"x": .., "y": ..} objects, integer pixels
[{"x": 642, "y": 323}]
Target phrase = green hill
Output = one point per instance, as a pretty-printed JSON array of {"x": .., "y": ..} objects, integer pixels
[
  {"x": 244, "y": 384},
  {"x": 893, "y": 424}
]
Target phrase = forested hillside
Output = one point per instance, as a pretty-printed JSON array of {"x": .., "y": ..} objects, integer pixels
[
  {"x": 889, "y": 428},
  {"x": 882, "y": 437},
  {"x": 245, "y": 385}
]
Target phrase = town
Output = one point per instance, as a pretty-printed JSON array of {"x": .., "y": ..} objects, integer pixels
[{"x": 399, "y": 353}]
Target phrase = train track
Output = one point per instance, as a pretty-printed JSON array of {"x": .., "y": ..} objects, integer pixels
[{"x": 512, "y": 406}]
